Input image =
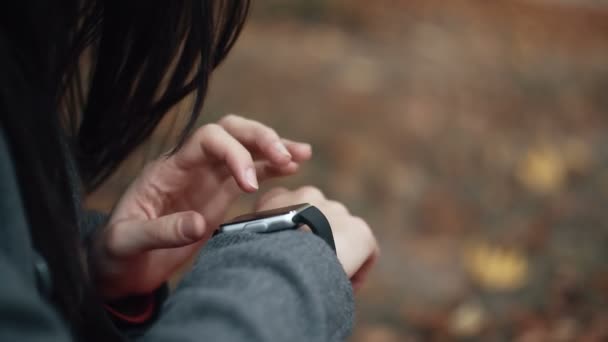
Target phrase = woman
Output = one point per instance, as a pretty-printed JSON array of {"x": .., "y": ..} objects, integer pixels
[{"x": 84, "y": 83}]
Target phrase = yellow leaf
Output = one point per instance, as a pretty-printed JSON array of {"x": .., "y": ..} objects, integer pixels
[
  {"x": 467, "y": 320},
  {"x": 496, "y": 268},
  {"x": 542, "y": 170}
]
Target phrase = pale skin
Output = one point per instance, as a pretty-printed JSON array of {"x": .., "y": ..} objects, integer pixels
[{"x": 173, "y": 207}]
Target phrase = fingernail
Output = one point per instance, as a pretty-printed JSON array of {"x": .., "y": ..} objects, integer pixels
[
  {"x": 282, "y": 149},
  {"x": 307, "y": 146},
  {"x": 251, "y": 177}
]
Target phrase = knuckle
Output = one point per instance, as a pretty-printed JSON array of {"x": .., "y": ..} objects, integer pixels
[
  {"x": 192, "y": 216},
  {"x": 238, "y": 156},
  {"x": 368, "y": 234},
  {"x": 274, "y": 193},
  {"x": 309, "y": 190},
  {"x": 266, "y": 135},
  {"x": 337, "y": 206},
  {"x": 175, "y": 227},
  {"x": 208, "y": 130},
  {"x": 279, "y": 190},
  {"x": 362, "y": 225},
  {"x": 157, "y": 235},
  {"x": 228, "y": 119},
  {"x": 358, "y": 221},
  {"x": 269, "y": 133}
]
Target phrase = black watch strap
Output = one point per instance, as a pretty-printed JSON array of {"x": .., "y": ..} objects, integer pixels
[{"x": 314, "y": 218}]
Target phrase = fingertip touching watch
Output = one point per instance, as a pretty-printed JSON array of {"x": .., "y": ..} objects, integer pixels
[{"x": 285, "y": 218}]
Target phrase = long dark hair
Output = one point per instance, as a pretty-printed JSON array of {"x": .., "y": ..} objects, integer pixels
[{"x": 89, "y": 80}]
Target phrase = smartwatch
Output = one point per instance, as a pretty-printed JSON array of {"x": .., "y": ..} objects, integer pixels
[{"x": 274, "y": 220}]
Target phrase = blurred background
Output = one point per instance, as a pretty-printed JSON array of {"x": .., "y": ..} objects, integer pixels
[{"x": 472, "y": 135}]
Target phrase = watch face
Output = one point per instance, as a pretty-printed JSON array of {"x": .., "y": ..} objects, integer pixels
[{"x": 264, "y": 214}]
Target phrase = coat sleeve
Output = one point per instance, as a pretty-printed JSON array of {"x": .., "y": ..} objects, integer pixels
[{"x": 286, "y": 286}]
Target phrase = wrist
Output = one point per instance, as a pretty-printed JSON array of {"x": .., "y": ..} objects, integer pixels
[{"x": 284, "y": 218}]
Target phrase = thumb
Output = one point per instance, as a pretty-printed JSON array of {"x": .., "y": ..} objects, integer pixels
[{"x": 169, "y": 231}]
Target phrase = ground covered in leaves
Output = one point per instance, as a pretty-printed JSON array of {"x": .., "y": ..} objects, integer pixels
[{"x": 472, "y": 135}]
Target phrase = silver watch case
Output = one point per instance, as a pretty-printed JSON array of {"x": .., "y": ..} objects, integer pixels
[{"x": 272, "y": 223}]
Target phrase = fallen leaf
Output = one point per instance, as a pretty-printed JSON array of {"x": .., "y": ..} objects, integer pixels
[
  {"x": 496, "y": 268},
  {"x": 467, "y": 320},
  {"x": 542, "y": 170}
]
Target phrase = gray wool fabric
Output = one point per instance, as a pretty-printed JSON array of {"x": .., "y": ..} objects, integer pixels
[{"x": 286, "y": 286}]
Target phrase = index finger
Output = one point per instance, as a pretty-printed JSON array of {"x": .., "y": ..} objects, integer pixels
[
  {"x": 258, "y": 138},
  {"x": 211, "y": 143}
]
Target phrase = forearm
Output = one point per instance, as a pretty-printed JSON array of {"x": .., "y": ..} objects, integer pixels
[{"x": 286, "y": 286}]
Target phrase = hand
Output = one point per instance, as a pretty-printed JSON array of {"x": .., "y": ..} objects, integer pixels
[
  {"x": 177, "y": 202},
  {"x": 356, "y": 245}
]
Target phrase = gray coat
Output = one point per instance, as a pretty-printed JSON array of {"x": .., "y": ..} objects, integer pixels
[{"x": 287, "y": 286}]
